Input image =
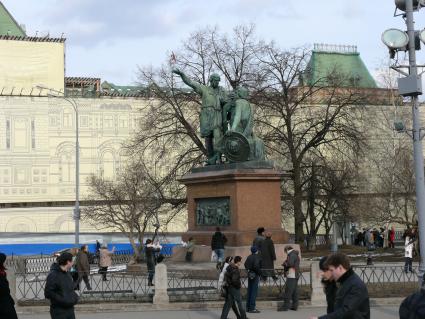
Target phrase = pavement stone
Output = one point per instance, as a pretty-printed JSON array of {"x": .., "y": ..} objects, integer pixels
[{"x": 381, "y": 312}]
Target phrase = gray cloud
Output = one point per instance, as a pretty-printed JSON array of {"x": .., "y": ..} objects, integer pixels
[{"x": 90, "y": 22}]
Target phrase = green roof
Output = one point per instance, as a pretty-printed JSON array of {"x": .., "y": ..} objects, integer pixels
[
  {"x": 123, "y": 89},
  {"x": 327, "y": 61},
  {"x": 8, "y": 25}
]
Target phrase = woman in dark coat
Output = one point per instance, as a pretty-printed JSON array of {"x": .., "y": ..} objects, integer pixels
[
  {"x": 268, "y": 256},
  {"x": 7, "y": 305}
]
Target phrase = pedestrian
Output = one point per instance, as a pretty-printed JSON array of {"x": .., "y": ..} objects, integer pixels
[
  {"x": 218, "y": 241},
  {"x": 408, "y": 251},
  {"x": 190, "y": 247},
  {"x": 352, "y": 298},
  {"x": 291, "y": 268},
  {"x": 364, "y": 237},
  {"x": 268, "y": 257},
  {"x": 232, "y": 279},
  {"x": 82, "y": 266},
  {"x": 360, "y": 239},
  {"x": 391, "y": 237},
  {"x": 329, "y": 285},
  {"x": 227, "y": 262},
  {"x": 151, "y": 250},
  {"x": 98, "y": 246},
  {"x": 105, "y": 260},
  {"x": 7, "y": 305},
  {"x": 222, "y": 286},
  {"x": 369, "y": 240},
  {"x": 59, "y": 289},
  {"x": 253, "y": 267},
  {"x": 413, "y": 307},
  {"x": 258, "y": 240}
]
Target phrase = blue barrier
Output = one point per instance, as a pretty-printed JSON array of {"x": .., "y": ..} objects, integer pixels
[{"x": 49, "y": 249}]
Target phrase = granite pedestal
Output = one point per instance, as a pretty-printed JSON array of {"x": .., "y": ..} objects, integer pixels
[{"x": 253, "y": 190}]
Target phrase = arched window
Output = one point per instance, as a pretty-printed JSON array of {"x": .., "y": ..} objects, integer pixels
[
  {"x": 67, "y": 167},
  {"x": 108, "y": 165}
]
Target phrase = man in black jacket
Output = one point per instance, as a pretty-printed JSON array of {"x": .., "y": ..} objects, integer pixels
[
  {"x": 413, "y": 307},
  {"x": 253, "y": 267},
  {"x": 292, "y": 273},
  {"x": 352, "y": 298},
  {"x": 232, "y": 278},
  {"x": 218, "y": 241},
  {"x": 60, "y": 289},
  {"x": 329, "y": 285}
]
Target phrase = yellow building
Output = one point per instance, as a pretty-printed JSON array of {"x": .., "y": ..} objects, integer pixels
[{"x": 38, "y": 134}]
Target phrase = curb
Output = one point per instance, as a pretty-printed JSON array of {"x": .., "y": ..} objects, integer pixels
[{"x": 181, "y": 306}]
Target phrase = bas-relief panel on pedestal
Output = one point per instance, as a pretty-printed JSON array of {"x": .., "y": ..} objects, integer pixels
[{"x": 212, "y": 211}]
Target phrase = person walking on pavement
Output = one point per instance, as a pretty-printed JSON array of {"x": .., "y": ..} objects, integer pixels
[
  {"x": 105, "y": 260},
  {"x": 352, "y": 298},
  {"x": 190, "y": 247},
  {"x": 83, "y": 267},
  {"x": 291, "y": 268},
  {"x": 258, "y": 240},
  {"x": 59, "y": 289},
  {"x": 222, "y": 286},
  {"x": 218, "y": 241},
  {"x": 151, "y": 251},
  {"x": 268, "y": 257},
  {"x": 391, "y": 237},
  {"x": 232, "y": 278},
  {"x": 253, "y": 267},
  {"x": 7, "y": 305},
  {"x": 329, "y": 285},
  {"x": 409, "y": 241}
]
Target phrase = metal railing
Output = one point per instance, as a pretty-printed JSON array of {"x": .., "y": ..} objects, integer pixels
[
  {"x": 118, "y": 286},
  {"x": 202, "y": 285},
  {"x": 384, "y": 275}
]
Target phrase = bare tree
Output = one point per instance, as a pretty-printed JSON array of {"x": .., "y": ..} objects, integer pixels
[
  {"x": 133, "y": 204},
  {"x": 299, "y": 121}
]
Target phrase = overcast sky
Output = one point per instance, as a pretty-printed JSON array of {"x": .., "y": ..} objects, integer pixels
[{"x": 109, "y": 38}]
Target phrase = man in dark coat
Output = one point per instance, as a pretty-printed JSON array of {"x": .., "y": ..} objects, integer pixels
[
  {"x": 292, "y": 273},
  {"x": 413, "y": 307},
  {"x": 151, "y": 250},
  {"x": 352, "y": 298},
  {"x": 232, "y": 278},
  {"x": 253, "y": 267},
  {"x": 268, "y": 256},
  {"x": 83, "y": 267},
  {"x": 258, "y": 240},
  {"x": 7, "y": 305},
  {"x": 60, "y": 289},
  {"x": 329, "y": 285},
  {"x": 218, "y": 241}
]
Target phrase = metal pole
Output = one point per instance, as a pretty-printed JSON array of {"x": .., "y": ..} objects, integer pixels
[
  {"x": 77, "y": 177},
  {"x": 334, "y": 246},
  {"x": 417, "y": 143}
]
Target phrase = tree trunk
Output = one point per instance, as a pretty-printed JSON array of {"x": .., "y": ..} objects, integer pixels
[{"x": 298, "y": 215}]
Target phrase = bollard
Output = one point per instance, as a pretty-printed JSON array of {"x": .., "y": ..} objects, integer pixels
[
  {"x": 318, "y": 297},
  {"x": 161, "y": 285},
  {"x": 11, "y": 278}
]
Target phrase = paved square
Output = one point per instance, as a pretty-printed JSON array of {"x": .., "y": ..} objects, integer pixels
[{"x": 387, "y": 312}]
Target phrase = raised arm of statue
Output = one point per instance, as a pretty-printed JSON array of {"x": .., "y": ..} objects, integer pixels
[{"x": 194, "y": 85}]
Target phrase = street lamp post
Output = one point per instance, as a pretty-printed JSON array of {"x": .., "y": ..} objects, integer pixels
[
  {"x": 411, "y": 85},
  {"x": 76, "y": 214}
]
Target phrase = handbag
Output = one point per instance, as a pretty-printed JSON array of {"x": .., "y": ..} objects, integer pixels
[{"x": 213, "y": 256}]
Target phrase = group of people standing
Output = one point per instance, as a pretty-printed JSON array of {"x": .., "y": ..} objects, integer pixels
[{"x": 259, "y": 265}]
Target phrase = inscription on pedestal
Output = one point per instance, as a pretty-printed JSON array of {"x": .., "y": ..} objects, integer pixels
[{"x": 213, "y": 211}]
